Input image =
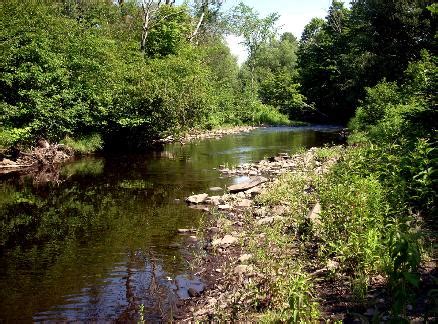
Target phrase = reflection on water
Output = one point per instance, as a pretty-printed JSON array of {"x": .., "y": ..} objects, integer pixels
[{"x": 97, "y": 239}]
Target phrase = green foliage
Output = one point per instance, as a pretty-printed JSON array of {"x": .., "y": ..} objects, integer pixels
[
  {"x": 84, "y": 145},
  {"x": 74, "y": 69},
  {"x": 169, "y": 34},
  {"x": 356, "y": 48},
  {"x": 353, "y": 214}
]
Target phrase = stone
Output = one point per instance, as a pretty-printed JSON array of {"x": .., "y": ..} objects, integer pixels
[
  {"x": 186, "y": 230},
  {"x": 269, "y": 220},
  {"x": 226, "y": 240},
  {"x": 244, "y": 203},
  {"x": 332, "y": 265},
  {"x": 193, "y": 292},
  {"x": 192, "y": 239},
  {"x": 279, "y": 210},
  {"x": 252, "y": 173},
  {"x": 243, "y": 269},
  {"x": 253, "y": 182},
  {"x": 197, "y": 199},
  {"x": 253, "y": 191},
  {"x": 215, "y": 189},
  {"x": 214, "y": 200},
  {"x": 245, "y": 257},
  {"x": 8, "y": 162},
  {"x": 313, "y": 215},
  {"x": 224, "y": 207}
]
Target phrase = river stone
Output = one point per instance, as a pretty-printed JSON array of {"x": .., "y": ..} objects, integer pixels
[
  {"x": 243, "y": 269},
  {"x": 253, "y": 182},
  {"x": 226, "y": 240},
  {"x": 8, "y": 162},
  {"x": 313, "y": 215},
  {"x": 215, "y": 189},
  {"x": 193, "y": 292},
  {"x": 253, "y": 191},
  {"x": 186, "y": 230},
  {"x": 197, "y": 199},
  {"x": 244, "y": 203},
  {"x": 224, "y": 207},
  {"x": 269, "y": 220},
  {"x": 244, "y": 257},
  {"x": 214, "y": 200}
]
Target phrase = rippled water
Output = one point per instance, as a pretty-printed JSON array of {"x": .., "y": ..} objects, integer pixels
[{"x": 97, "y": 239}]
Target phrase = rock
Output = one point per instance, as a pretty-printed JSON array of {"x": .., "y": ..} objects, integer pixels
[
  {"x": 253, "y": 191},
  {"x": 224, "y": 207},
  {"x": 252, "y": 173},
  {"x": 192, "y": 239},
  {"x": 214, "y": 200},
  {"x": 313, "y": 215},
  {"x": 279, "y": 210},
  {"x": 332, "y": 265},
  {"x": 269, "y": 220},
  {"x": 42, "y": 143},
  {"x": 244, "y": 257},
  {"x": 8, "y": 162},
  {"x": 186, "y": 230},
  {"x": 193, "y": 292},
  {"x": 214, "y": 229},
  {"x": 244, "y": 203},
  {"x": 226, "y": 240},
  {"x": 197, "y": 199},
  {"x": 215, "y": 189},
  {"x": 253, "y": 182},
  {"x": 243, "y": 269}
]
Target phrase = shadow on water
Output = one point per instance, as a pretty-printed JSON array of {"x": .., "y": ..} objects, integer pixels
[{"x": 98, "y": 240}]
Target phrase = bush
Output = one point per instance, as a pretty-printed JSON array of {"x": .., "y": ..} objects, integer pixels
[{"x": 85, "y": 145}]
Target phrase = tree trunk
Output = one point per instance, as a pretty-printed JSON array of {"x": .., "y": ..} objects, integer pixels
[{"x": 195, "y": 32}]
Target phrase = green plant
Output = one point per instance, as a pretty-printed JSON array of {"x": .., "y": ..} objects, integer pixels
[{"x": 85, "y": 145}]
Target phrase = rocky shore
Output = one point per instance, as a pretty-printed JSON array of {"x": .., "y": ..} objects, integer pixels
[
  {"x": 199, "y": 134},
  {"x": 227, "y": 265}
]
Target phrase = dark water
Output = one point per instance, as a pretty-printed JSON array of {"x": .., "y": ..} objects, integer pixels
[{"x": 97, "y": 240}]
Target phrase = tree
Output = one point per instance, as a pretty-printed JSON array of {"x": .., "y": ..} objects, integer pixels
[{"x": 255, "y": 31}]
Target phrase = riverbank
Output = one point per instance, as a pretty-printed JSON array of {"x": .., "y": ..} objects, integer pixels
[
  {"x": 275, "y": 249},
  {"x": 51, "y": 154}
]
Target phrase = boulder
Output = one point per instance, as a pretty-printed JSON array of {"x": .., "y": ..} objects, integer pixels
[
  {"x": 243, "y": 269},
  {"x": 224, "y": 207},
  {"x": 197, "y": 199},
  {"x": 269, "y": 220},
  {"x": 226, "y": 240},
  {"x": 313, "y": 215},
  {"x": 244, "y": 257},
  {"x": 253, "y": 182}
]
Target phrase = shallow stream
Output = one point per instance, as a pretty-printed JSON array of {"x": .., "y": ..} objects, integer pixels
[{"x": 98, "y": 239}]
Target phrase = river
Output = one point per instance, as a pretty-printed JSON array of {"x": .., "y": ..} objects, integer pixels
[{"x": 97, "y": 239}]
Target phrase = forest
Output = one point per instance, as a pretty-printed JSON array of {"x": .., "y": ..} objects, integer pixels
[{"x": 103, "y": 75}]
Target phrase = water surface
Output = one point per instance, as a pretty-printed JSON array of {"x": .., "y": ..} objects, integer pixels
[{"x": 97, "y": 239}]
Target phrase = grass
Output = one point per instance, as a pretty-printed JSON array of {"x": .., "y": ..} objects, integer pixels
[{"x": 85, "y": 145}]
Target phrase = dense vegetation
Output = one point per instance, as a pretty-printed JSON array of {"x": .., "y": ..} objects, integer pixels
[
  {"x": 78, "y": 69},
  {"x": 375, "y": 62}
]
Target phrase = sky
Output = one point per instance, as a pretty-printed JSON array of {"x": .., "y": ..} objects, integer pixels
[{"x": 294, "y": 15}]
